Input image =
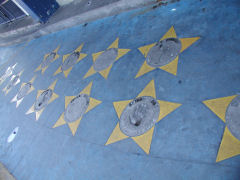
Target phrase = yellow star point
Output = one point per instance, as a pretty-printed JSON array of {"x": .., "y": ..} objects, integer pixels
[
  {"x": 230, "y": 146},
  {"x": 104, "y": 73},
  {"x": 52, "y": 86},
  {"x": 87, "y": 89},
  {"x": 92, "y": 104},
  {"x": 114, "y": 44},
  {"x": 60, "y": 121},
  {"x": 122, "y": 52},
  {"x": 54, "y": 96},
  {"x": 145, "y": 68},
  {"x": 33, "y": 79},
  {"x": 66, "y": 73},
  {"x": 120, "y": 106},
  {"x": 56, "y": 50},
  {"x": 65, "y": 57},
  {"x": 59, "y": 70},
  {"x": 18, "y": 102},
  {"x": 170, "y": 34},
  {"x": 172, "y": 66},
  {"x": 68, "y": 99},
  {"x": 95, "y": 55},
  {"x": 219, "y": 105},
  {"x": 79, "y": 48},
  {"x": 44, "y": 69},
  {"x": 90, "y": 72},
  {"x": 149, "y": 90},
  {"x": 38, "y": 68},
  {"x": 166, "y": 108},
  {"x": 186, "y": 42},
  {"x": 74, "y": 126},
  {"x": 145, "y": 49},
  {"x": 145, "y": 140},
  {"x": 38, "y": 114},
  {"x": 82, "y": 55},
  {"x": 116, "y": 135}
]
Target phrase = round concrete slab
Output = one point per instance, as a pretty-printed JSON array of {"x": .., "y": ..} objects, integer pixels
[
  {"x": 13, "y": 82},
  {"x": 106, "y": 59},
  {"x": 76, "y": 108},
  {"x": 70, "y": 61},
  {"x": 24, "y": 90},
  {"x": 233, "y": 117},
  {"x": 48, "y": 60},
  {"x": 139, "y": 116},
  {"x": 43, "y": 99},
  {"x": 164, "y": 52}
]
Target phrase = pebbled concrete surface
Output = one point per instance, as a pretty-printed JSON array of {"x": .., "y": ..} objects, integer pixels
[{"x": 184, "y": 144}]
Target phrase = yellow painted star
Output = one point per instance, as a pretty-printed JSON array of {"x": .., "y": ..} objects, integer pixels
[
  {"x": 170, "y": 67},
  {"x": 15, "y": 79},
  {"x": 67, "y": 71},
  {"x": 144, "y": 140},
  {"x": 92, "y": 104},
  {"x": 230, "y": 145},
  {"x": 18, "y": 99},
  {"x": 48, "y": 58},
  {"x": 104, "y": 73},
  {"x": 8, "y": 72},
  {"x": 39, "y": 93}
]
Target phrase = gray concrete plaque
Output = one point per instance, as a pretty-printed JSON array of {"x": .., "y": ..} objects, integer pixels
[
  {"x": 12, "y": 82},
  {"x": 48, "y": 60},
  {"x": 70, "y": 61},
  {"x": 164, "y": 52},
  {"x": 139, "y": 116},
  {"x": 43, "y": 99},
  {"x": 106, "y": 59},
  {"x": 24, "y": 90},
  {"x": 233, "y": 117},
  {"x": 76, "y": 108}
]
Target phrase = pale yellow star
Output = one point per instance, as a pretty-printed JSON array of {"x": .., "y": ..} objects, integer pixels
[
  {"x": 230, "y": 145},
  {"x": 144, "y": 140},
  {"x": 18, "y": 101},
  {"x": 42, "y": 67},
  {"x": 170, "y": 67},
  {"x": 74, "y": 125},
  {"x": 53, "y": 97},
  {"x": 15, "y": 79},
  {"x": 104, "y": 73},
  {"x": 8, "y": 72},
  {"x": 81, "y": 56}
]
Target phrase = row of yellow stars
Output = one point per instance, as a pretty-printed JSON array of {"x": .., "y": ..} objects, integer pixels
[
  {"x": 230, "y": 145},
  {"x": 145, "y": 68}
]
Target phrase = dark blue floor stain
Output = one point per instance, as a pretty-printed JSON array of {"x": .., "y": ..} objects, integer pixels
[{"x": 185, "y": 143}]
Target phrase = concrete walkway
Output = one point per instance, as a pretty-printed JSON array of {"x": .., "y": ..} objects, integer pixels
[
  {"x": 67, "y": 16},
  {"x": 190, "y": 139}
]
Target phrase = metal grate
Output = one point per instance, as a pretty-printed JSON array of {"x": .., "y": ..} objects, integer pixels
[{"x": 9, "y": 11}]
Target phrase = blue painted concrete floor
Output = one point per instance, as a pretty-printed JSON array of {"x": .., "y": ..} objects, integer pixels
[{"x": 184, "y": 144}]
